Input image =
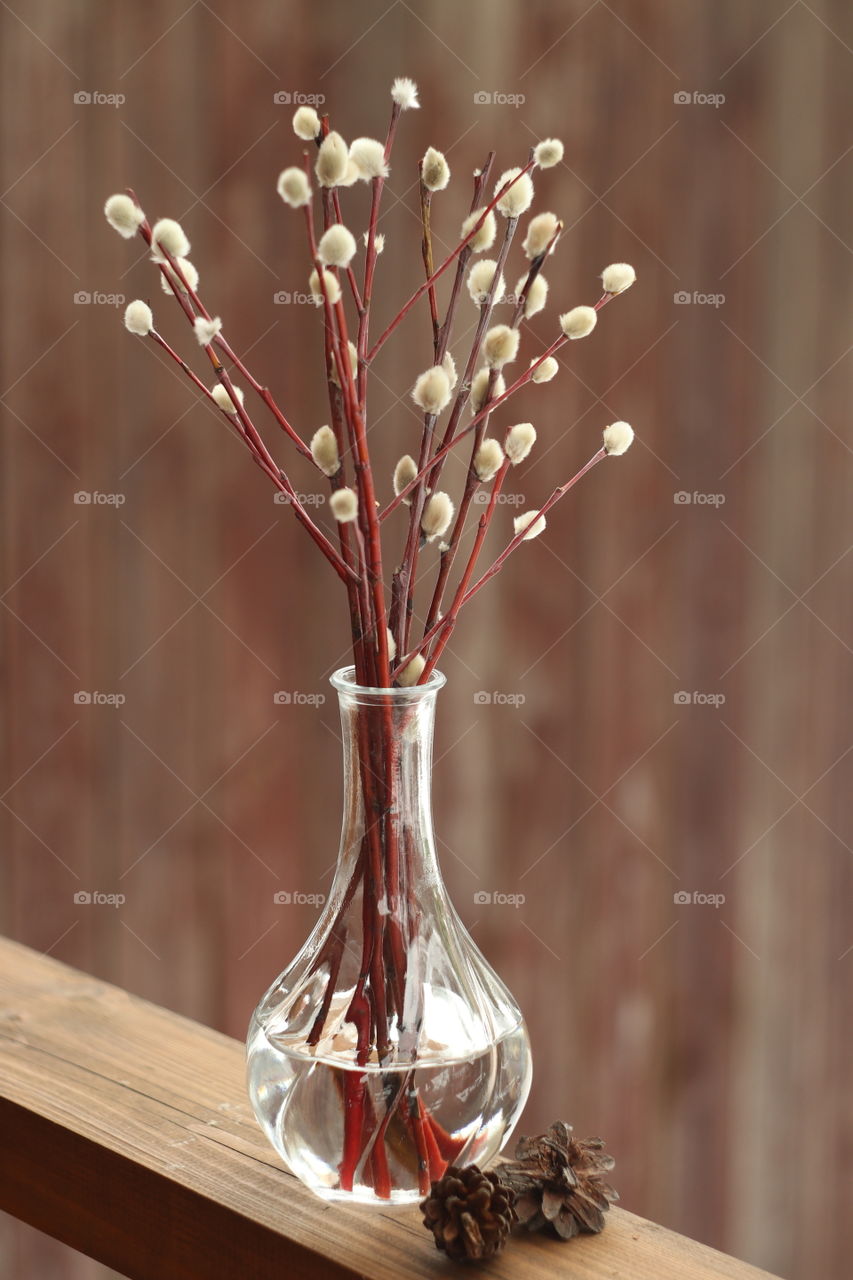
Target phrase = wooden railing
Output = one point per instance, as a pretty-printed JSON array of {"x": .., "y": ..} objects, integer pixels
[{"x": 125, "y": 1132}]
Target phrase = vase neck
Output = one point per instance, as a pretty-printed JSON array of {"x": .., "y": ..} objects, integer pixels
[{"x": 387, "y": 745}]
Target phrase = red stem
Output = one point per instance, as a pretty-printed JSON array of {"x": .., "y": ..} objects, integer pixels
[
  {"x": 446, "y": 624},
  {"x": 440, "y": 270}
]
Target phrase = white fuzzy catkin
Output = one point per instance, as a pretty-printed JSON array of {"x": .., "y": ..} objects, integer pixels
[
  {"x": 223, "y": 399},
  {"x": 500, "y": 345},
  {"x": 368, "y": 156},
  {"x": 378, "y": 242},
  {"x": 448, "y": 364},
  {"x": 480, "y": 279},
  {"x": 435, "y": 171},
  {"x": 332, "y": 287},
  {"x": 617, "y": 438},
  {"x": 139, "y": 318},
  {"x": 545, "y": 371},
  {"x": 578, "y": 322},
  {"x": 537, "y": 294},
  {"x": 324, "y": 451},
  {"x": 488, "y": 459},
  {"x": 188, "y": 271},
  {"x": 437, "y": 515},
  {"x": 520, "y": 439},
  {"x": 540, "y": 231},
  {"x": 344, "y": 505},
  {"x": 431, "y": 391},
  {"x": 293, "y": 187},
  {"x": 351, "y": 174},
  {"x": 548, "y": 153},
  {"x": 531, "y": 523},
  {"x": 392, "y": 644},
  {"x": 412, "y": 672},
  {"x": 518, "y": 199},
  {"x": 618, "y": 277},
  {"x": 306, "y": 123},
  {"x": 485, "y": 236},
  {"x": 404, "y": 473},
  {"x": 206, "y": 330},
  {"x": 405, "y": 93},
  {"x": 480, "y": 385},
  {"x": 332, "y": 160},
  {"x": 353, "y": 364},
  {"x": 171, "y": 236},
  {"x": 123, "y": 215},
  {"x": 337, "y": 246}
]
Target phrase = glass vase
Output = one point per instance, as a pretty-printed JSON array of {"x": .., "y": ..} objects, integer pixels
[{"x": 388, "y": 1048}]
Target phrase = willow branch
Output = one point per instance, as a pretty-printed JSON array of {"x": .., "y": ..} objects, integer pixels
[{"x": 440, "y": 270}]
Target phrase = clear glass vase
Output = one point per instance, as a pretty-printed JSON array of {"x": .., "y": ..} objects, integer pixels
[{"x": 388, "y": 1048}]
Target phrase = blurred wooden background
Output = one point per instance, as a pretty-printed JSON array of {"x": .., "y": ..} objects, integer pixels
[{"x": 709, "y": 1044}]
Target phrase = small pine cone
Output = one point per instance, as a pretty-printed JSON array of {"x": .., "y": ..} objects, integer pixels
[
  {"x": 469, "y": 1213},
  {"x": 559, "y": 1182}
]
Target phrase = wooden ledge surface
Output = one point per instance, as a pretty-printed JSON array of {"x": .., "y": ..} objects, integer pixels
[{"x": 125, "y": 1132}]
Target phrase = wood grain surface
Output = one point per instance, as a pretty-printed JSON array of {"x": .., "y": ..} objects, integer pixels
[{"x": 126, "y": 1133}]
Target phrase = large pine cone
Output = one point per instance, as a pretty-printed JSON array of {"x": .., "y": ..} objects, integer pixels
[
  {"x": 559, "y": 1182},
  {"x": 469, "y": 1213}
]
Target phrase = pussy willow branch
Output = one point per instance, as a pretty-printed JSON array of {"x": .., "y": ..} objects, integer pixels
[
  {"x": 332, "y": 213},
  {"x": 230, "y": 418},
  {"x": 377, "y": 185},
  {"x": 482, "y": 529},
  {"x": 440, "y": 270},
  {"x": 521, "y": 381},
  {"x": 358, "y": 610},
  {"x": 426, "y": 254},
  {"x": 178, "y": 285},
  {"x": 444, "y": 626},
  {"x": 201, "y": 310},
  {"x": 472, "y": 482},
  {"x": 481, "y": 181},
  {"x": 407, "y": 575},
  {"x": 403, "y": 581},
  {"x": 368, "y": 524},
  {"x": 559, "y": 492}
]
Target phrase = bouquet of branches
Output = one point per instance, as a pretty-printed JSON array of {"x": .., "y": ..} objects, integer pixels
[{"x": 458, "y": 408}]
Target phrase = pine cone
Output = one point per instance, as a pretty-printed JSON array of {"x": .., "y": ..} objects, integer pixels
[
  {"x": 469, "y": 1213},
  {"x": 559, "y": 1182}
]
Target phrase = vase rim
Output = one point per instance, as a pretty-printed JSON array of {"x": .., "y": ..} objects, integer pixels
[{"x": 344, "y": 681}]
